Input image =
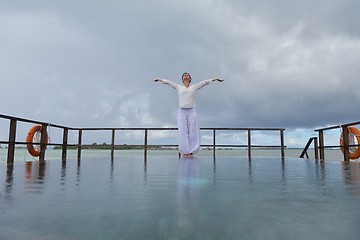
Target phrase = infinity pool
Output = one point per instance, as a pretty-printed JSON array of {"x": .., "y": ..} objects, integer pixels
[{"x": 171, "y": 198}]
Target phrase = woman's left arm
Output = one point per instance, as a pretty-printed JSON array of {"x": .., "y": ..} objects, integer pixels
[{"x": 206, "y": 82}]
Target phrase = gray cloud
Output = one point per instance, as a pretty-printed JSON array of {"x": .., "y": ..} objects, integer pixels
[{"x": 291, "y": 64}]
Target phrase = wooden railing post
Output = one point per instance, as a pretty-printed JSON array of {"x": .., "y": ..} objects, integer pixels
[
  {"x": 249, "y": 143},
  {"x": 214, "y": 142},
  {"x": 65, "y": 142},
  {"x": 79, "y": 144},
  {"x": 11, "y": 145},
  {"x": 43, "y": 142},
  {"x": 345, "y": 137},
  {"x": 282, "y": 143},
  {"x": 145, "y": 144},
  {"x": 112, "y": 142},
  {"x": 321, "y": 144},
  {"x": 316, "y": 148}
]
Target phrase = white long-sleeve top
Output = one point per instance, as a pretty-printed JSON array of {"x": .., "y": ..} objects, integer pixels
[{"x": 187, "y": 95}]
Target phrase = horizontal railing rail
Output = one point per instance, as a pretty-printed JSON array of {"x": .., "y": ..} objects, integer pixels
[{"x": 12, "y": 142}]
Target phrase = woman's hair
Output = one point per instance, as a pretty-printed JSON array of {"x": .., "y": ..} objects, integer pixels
[{"x": 187, "y": 74}]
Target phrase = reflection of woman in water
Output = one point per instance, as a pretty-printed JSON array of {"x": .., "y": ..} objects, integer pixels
[
  {"x": 187, "y": 196},
  {"x": 189, "y": 131}
]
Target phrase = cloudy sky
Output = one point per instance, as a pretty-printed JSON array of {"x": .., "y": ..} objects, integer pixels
[{"x": 79, "y": 63}]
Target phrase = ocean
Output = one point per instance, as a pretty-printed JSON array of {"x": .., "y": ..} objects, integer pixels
[{"x": 21, "y": 154}]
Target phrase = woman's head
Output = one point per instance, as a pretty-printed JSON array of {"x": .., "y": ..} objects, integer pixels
[{"x": 186, "y": 76}]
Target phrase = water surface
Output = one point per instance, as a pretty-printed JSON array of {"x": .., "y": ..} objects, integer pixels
[{"x": 169, "y": 198}]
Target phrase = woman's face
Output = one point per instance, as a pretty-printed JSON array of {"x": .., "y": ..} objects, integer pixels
[{"x": 186, "y": 76}]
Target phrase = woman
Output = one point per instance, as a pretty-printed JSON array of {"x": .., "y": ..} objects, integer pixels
[{"x": 189, "y": 131}]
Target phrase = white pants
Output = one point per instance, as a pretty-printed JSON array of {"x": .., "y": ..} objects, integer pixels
[{"x": 189, "y": 131}]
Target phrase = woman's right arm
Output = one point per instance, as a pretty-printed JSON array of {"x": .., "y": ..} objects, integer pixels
[{"x": 168, "y": 82}]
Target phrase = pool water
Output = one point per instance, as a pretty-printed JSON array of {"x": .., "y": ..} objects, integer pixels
[{"x": 169, "y": 198}]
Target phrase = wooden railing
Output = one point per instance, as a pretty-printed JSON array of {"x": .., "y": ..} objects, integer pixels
[
  {"x": 305, "y": 151},
  {"x": 12, "y": 142},
  {"x": 345, "y": 134}
]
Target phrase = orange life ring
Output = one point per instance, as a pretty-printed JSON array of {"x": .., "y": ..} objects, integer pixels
[
  {"x": 352, "y": 154},
  {"x": 35, "y": 131}
]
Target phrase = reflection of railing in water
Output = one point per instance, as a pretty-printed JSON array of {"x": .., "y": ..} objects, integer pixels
[
  {"x": 14, "y": 120},
  {"x": 320, "y": 146}
]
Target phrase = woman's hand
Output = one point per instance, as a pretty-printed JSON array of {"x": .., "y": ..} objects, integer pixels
[{"x": 218, "y": 79}]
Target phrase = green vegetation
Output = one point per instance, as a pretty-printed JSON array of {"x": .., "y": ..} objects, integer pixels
[{"x": 103, "y": 146}]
